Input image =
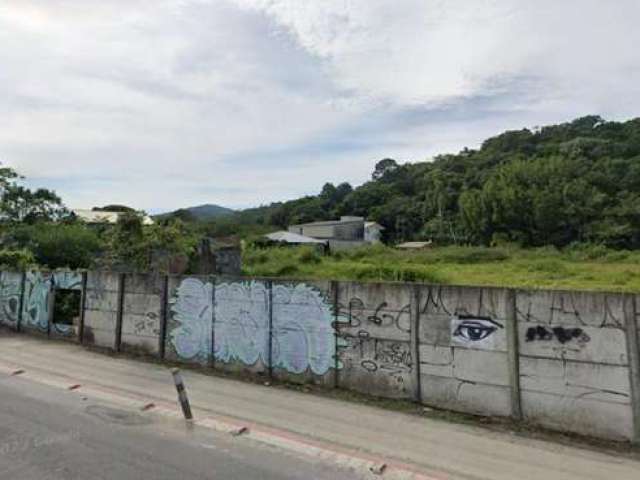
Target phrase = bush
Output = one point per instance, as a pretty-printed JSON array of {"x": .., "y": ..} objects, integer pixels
[
  {"x": 587, "y": 251},
  {"x": 309, "y": 256},
  {"x": 16, "y": 260},
  {"x": 396, "y": 274},
  {"x": 468, "y": 255},
  {"x": 286, "y": 270},
  {"x": 56, "y": 245}
]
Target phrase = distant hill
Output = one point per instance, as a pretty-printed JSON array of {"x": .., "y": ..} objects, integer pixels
[{"x": 200, "y": 212}]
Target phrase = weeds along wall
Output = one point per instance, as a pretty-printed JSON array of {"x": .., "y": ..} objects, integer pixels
[{"x": 564, "y": 360}]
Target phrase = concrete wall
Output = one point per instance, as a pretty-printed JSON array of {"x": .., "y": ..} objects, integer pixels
[
  {"x": 142, "y": 310},
  {"x": 102, "y": 304},
  {"x": 241, "y": 331},
  {"x": 374, "y": 339},
  {"x": 564, "y": 360},
  {"x": 36, "y": 303},
  {"x": 10, "y": 298},
  {"x": 574, "y": 366},
  {"x": 462, "y": 345},
  {"x": 303, "y": 339},
  {"x": 189, "y": 319}
]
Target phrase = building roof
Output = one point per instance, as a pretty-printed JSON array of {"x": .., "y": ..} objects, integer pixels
[
  {"x": 289, "y": 237},
  {"x": 373, "y": 225},
  {"x": 327, "y": 223},
  {"x": 94, "y": 216},
  {"x": 416, "y": 245}
]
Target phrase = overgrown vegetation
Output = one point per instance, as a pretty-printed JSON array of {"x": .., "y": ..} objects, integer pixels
[
  {"x": 575, "y": 267},
  {"x": 36, "y": 230}
]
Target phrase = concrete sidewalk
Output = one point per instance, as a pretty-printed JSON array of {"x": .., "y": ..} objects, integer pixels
[{"x": 440, "y": 449}]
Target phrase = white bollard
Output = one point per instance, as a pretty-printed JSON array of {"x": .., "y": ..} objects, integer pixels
[{"x": 182, "y": 393}]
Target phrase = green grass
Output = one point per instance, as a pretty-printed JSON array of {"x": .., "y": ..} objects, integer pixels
[{"x": 579, "y": 268}]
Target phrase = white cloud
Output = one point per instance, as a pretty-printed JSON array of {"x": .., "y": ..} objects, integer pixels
[{"x": 166, "y": 103}]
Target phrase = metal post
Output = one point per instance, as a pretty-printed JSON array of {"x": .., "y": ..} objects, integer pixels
[{"x": 182, "y": 394}]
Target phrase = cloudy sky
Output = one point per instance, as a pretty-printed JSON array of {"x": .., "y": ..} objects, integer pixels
[{"x": 167, "y": 103}]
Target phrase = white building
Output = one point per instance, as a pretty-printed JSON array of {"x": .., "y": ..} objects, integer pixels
[{"x": 96, "y": 216}]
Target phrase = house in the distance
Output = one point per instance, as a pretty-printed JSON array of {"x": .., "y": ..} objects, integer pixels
[
  {"x": 94, "y": 217},
  {"x": 348, "y": 232}
]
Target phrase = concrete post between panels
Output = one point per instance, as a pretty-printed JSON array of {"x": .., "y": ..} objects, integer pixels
[
  {"x": 513, "y": 353},
  {"x": 633, "y": 350}
]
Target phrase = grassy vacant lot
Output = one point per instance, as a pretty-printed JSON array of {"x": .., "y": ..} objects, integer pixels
[{"x": 584, "y": 268}]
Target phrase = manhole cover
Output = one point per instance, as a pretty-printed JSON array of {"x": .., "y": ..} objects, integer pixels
[{"x": 115, "y": 415}]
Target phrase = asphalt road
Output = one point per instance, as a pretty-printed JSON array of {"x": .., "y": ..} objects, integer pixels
[{"x": 47, "y": 433}]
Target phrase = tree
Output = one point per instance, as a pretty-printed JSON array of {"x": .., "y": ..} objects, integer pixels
[
  {"x": 20, "y": 204},
  {"x": 383, "y": 168},
  {"x": 59, "y": 245}
]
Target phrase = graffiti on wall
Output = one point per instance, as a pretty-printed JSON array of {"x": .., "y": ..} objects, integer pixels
[
  {"x": 242, "y": 322},
  {"x": 304, "y": 333},
  {"x": 192, "y": 310},
  {"x": 35, "y": 313},
  {"x": 565, "y": 307},
  {"x": 37, "y": 290},
  {"x": 10, "y": 290},
  {"x": 561, "y": 334},
  {"x": 358, "y": 316},
  {"x": 360, "y": 346}
]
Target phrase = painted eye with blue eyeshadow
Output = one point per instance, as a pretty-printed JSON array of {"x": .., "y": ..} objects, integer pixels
[
  {"x": 471, "y": 328},
  {"x": 474, "y": 330}
]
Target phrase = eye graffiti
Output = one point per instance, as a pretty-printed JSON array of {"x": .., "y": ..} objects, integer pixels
[{"x": 469, "y": 329}]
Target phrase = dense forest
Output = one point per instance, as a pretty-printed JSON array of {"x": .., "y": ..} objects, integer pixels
[{"x": 576, "y": 182}]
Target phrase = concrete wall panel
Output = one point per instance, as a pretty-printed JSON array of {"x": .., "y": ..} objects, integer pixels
[
  {"x": 604, "y": 383},
  {"x": 101, "y": 306},
  {"x": 36, "y": 306},
  {"x": 574, "y": 372},
  {"x": 102, "y": 280},
  {"x": 100, "y": 328},
  {"x": 189, "y": 319},
  {"x": 374, "y": 339},
  {"x": 580, "y": 415},
  {"x": 142, "y": 311},
  {"x": 481, "y": 366},
  {"x": 241, "y": 325},
  {"x": 586, "y": 344},
  {"x": 303, "y": 335},
  {"x": 458, "y": 395},
  {"x": 10, "y": 293},
  {"x": 570, "y": 309},
  {"x": 463, "y": 349}
]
